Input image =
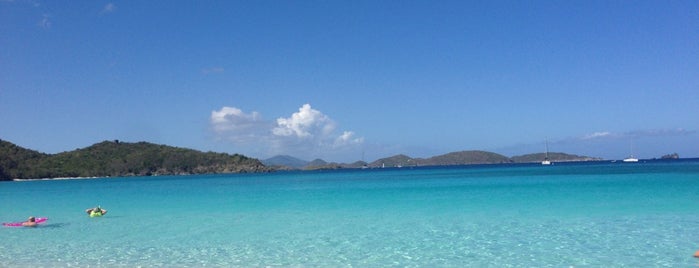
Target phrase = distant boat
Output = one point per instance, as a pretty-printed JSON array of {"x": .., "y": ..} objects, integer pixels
[
  {"x": 631, "y": 159},
  {"x": 546, "y": 157}
]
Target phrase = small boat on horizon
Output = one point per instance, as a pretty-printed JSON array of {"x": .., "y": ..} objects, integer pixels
[
  {"x": 631, "y": 159},
  {"x": 546, "y": 156}
]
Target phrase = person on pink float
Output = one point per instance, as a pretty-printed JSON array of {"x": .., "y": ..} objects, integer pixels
[{"x": 31, "y": 222}]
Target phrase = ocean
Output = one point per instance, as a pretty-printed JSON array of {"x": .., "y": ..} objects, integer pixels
[{"x": 599, "y": 214}]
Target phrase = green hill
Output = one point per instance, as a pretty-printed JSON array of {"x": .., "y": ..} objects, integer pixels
[
  {"x": 450, "y": 159},
  {"x": 16, "y": 161},
  {"x": 114, "y": 158},
  {"x": 465, "y": 158},
  {"x": 554, "y": 157},
  {"x": 393, "y": 161},
  {"x": 474, "y": 157},
  {"x": 285, "y": 160}
]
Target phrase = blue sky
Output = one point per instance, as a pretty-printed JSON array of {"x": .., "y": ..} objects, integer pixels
[{"x": 346, "y": 80}]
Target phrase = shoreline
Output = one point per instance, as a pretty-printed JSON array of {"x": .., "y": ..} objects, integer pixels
[{"x": 60, "y": 178}]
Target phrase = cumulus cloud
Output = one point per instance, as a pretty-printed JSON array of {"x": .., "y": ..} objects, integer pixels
[
  {"x": 237, "y": 126},
  {"x": 306, "y": 123},
  {"x": 305, "y": 133}
]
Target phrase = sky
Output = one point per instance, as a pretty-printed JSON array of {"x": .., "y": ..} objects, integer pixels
[{"x": 353, "y": 80}]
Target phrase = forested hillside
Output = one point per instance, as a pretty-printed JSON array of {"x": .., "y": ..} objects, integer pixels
[{"x": 114, "y": 158}]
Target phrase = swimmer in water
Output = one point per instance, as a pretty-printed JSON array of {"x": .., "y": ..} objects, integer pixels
[
  {"x": 96, "y": 212},
  {"x": 31, "y": 222}
]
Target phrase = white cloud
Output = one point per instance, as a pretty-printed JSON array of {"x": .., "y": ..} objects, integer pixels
[
  {"x": 347, "y": 138},
  {"x": 109, "y": 8},
  {"x": 306, "y": 133},
  {"x": 597, "y": 135},
  {"x": 235, "y": 125},
  {"x": 306, "y": 123}
]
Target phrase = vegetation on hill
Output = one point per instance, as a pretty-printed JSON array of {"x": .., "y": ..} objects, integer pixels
[
  {"x": 449, "y": 159},
  {"x": 114, "y": 158},
  {"x": 465, "y": 158},
  {"x": 285, "y": 160},
  {"x": 14, "y": 159},
  {"x": 670, "y": 156},
  {"x": 321, "y": 164},
  {"x": 393, "y": 161},
  {"x": 471, "y": 158},
  {"x": 555, "y": 157}
]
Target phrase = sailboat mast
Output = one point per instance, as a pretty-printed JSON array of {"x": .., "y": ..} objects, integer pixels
[{"x": 546, "y": 155}]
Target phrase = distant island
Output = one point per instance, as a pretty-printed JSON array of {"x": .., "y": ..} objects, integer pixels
[
  {"x": 449, "y": 159},
  {"x": 670, "y": 156},
  {"x": 119, "y": 159},
  {"x": 116, "y": 159}
]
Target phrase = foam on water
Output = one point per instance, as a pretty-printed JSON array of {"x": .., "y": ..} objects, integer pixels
[{"x": 494, "y": 216}]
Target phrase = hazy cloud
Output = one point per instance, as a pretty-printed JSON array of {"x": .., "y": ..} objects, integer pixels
[
  {"x": 347, "y": 138},
  {"x": 213, "y": 70},
  {"x": 109, "y": 8},
  {"x": 659, "y": 132},
  {"x": 638, "y": 134},
  {"x": 31, "y": 2},
  {"x": 45, "y": 22},
  {"x": 613, "y": 145},
  {"x": 304, "y": 133},
  {"x": 596, "y": 135}
]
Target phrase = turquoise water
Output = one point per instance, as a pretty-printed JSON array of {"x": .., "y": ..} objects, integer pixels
[{"x": 579, "y": 215}]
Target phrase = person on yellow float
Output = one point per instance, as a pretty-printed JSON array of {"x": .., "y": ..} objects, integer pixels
[{"x": 96, "y": 212}]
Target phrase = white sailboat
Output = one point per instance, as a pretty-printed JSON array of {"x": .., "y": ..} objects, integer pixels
[
  {"x": 546, "y": 157},
  {"x": 631, "y": 159}
]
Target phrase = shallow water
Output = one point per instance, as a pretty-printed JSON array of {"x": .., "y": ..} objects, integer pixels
[{"x": 580, "y": 215}]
